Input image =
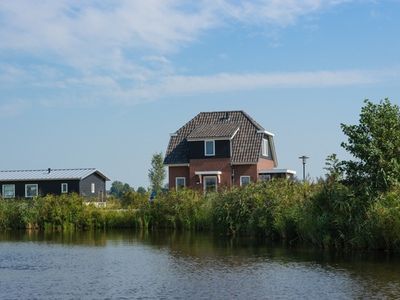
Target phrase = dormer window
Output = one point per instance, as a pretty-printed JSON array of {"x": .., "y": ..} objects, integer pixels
[
  {"x": 209, "y": 148},
  {"x": 265, "y": 147}
]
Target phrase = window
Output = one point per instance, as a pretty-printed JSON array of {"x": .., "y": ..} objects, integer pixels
[
  {"x": 244, "y": 180},
  {"x": 180, "y": 182},
  {"x": 31, "y": 190},
  {"x": 210, "y": 184},
  {"x": 265, "y": 147},
  {"x": 265, "y": 177},
  {"x": 93, "y": 188},
  {"x": 64, "y": 188},
  {"x": 209, "y": 148},
  {"x": 8, "y": 191}
]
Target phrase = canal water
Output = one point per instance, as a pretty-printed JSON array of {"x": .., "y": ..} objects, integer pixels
[{"x": 171, "y": 265}]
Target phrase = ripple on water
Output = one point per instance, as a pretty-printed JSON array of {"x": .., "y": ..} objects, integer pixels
[{"x": 139, "y": 267}]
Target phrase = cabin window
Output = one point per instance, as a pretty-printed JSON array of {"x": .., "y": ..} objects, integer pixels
[
  {"x": 180, "y": 182},
  {"x": 64, "y": 188},
  {"x": 209, "y": 148},
  {"x": 244, "y": 180},
  {"x": 265, "y": 147},
  {"x": 93, "y": 188},
  {"x": 31, "y": 190},
  {"x": 8, "y": 191},
  {"x": 265, "y": 177}
]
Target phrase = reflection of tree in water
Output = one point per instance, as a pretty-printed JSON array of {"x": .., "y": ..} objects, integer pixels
[
  {"x": 78, "y": 238},
  {"x": 369, "y": 273}
]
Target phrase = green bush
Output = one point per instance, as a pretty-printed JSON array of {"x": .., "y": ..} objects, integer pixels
[{"x": 326, "y": 214}]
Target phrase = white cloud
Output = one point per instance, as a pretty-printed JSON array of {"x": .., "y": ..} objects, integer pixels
[
  {"x": 119, "y": 51},
  {"x": 85, "y": 34},
  {"x": 228, "y": 82}
]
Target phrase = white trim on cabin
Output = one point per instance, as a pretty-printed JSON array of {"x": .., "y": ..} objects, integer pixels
[
  {"x": 93, "y": 187},
  {"x": 5, "y": 194},
  {"x": 64, "y": 188},
  {"x": 31, "y": 185}
]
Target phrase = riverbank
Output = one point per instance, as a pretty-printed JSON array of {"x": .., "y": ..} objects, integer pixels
[{"x": 326, "y": 215}]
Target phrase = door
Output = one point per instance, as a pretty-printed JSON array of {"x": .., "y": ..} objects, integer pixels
[{"x": 210, "y": 184}]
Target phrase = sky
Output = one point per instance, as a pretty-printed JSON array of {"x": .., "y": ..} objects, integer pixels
[{"x": 103, "y": 83}]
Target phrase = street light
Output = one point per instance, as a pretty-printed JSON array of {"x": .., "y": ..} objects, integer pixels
[{"x": 304, "y": 159}]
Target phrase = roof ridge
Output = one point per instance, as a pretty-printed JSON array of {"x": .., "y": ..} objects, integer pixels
[
  {"x": 220, "y": 111},
  {"x": 37, "y": 170}
]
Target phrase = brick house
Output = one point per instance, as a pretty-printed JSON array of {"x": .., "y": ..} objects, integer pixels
[{"x": 221, "y": 149}]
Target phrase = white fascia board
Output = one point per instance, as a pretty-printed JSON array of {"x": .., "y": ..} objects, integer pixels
[
  {"x": 266, "y": 132},
  {"x": 208, "y": 173},
  {"x": 176, "y": 165},
  {"x": 233, "y": 135},
  {"x": 208, "y": 139},
  {"x": 277, "y": 171},
  {"x": 173, "y": 134}
]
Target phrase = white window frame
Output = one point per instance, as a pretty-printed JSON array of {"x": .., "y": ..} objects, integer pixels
[
  {"x": 204, "y": 183},
  {"x": 205, "y": 148},
  {"x": 93, "y": 188},
  {"x": 64, "y": 190},
  {"x": 265, "y": 146},
  {"x": 242, "y": 177},
  {"x": 26, "y": 190},
  {"x": 176, "y": 182},
  {"x": 3, "y": 191}
]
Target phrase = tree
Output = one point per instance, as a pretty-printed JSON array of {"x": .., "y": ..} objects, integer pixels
[
  {"x": 118, "y": 189},
  {"x": 334, "y": 169},
  {"x": 157, "y": 172},
  {"x": 141, "y": 190},
  {"x": 375, "y": 145}
]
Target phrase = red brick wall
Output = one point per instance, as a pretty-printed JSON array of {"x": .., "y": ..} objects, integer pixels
[
  {"x": 210, "y": 164},
  {"x": 245, "y": 170},
  {"x": 264, "y": 164},
  {"x": 217, "y": 164},
  {"x": 252, "y": 170},
  {"x": 174, "y": 172}
]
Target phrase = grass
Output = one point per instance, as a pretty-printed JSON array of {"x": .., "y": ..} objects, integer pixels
[{"x": 327, "y": 215}]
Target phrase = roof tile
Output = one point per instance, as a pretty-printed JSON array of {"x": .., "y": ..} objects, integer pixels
[{"x": 246, "y": 144}]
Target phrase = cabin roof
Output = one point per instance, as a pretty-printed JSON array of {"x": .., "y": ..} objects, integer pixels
[{"x": 49, "y": 174}]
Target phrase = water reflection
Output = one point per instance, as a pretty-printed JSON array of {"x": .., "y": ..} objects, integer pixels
[{"x": 135, "y": 264}]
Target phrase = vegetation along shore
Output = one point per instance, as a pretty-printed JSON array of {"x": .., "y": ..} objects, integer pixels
[{"x": 357, "y": 204}]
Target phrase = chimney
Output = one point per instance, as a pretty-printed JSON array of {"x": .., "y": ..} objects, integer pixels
[{"x": 48, "y": 170}]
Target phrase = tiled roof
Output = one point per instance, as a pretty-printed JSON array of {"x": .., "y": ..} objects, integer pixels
[
  {"x": 222, "y": 130},
  {"x": 246, "y": 144},
  {"x": 54, "y": 174}
]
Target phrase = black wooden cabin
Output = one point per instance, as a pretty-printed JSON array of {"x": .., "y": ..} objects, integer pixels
[{"x": 88, "y": 182}]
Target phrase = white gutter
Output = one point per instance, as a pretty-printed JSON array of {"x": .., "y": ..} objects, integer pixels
[{"x": 266, "y": 132}]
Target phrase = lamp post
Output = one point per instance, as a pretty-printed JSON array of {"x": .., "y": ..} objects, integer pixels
[{"x": 304, "y": 159}]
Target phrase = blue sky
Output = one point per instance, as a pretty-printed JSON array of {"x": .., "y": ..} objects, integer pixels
[{"x": 103, "y": 83}]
